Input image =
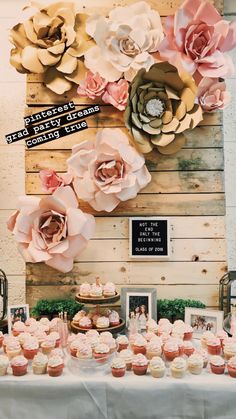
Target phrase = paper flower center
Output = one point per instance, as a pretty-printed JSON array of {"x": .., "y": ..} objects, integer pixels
[
  {"x": 109, "y": 171},
  {"x": 155, "y": 107},
  {"x": 129, "y": 47}
]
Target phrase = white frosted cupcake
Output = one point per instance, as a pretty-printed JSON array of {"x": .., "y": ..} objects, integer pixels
[
  {"x": 101, "y": 352},
  {"x": 127, "y": 356},
  {"x": 39, "y": 364},
  {"x": 154, "y": 349},
  {"x": 178, "y": 367},
  {"x": 204, "y": 355},
  {"x": 157, "y": 367},
  {"x": 229, "y": 349},
  {"x": 4, "y": 363},
  {"x": 114, "y": 318},
  {"x": 92, "y": 333},
  {"x": 78, "y": 316},
  {"x": 118, "y": 367},
  {"x": 85, "y": 323},
  {"x": 195, "y": 364},
  {"x": 85, "y": 289},
  {"x": 109, "y": 289},
  {"x": 152, "y": 326},
  {"x": 96, "y": 291},
  {"x": 205, "y": 336},
  {"x": 102, "y": 322},
  {"x": 18, "y": 327},
  {"x": 84, "y": 351},
  {"x": 122, "y": 342}
]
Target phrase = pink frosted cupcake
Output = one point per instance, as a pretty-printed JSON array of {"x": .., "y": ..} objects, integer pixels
[
  {"x": 127, "y": 356},
  {"x": 101, "y": 352},
  {"x": 232, "y": 367},
  {"x": 118, "y": 367},
  {"x": 109, "y": 289},
  {"x": 171, "y": 350},
  {"x": 18, "y": 327},
  {"x": 122, "y": 342},
  {"x": 188, "y": 347},
  {"x": 30, "y": 348},
  {"x": 188, "y": 332},
  {"x": 153, "y": 349},
  {"x": 85, "y": 323},
  {"x": 19, "y": 365},
  {"x": 139, "y": 364},
  {"x": 214, "y": 346},
  {"x": 85, "y": 289},
  {"x": 114, "y": 318},
  {"x": 140, "y": 346},
  {"x": 217, "y": 364},
  {"x": 55, "y": 366}
]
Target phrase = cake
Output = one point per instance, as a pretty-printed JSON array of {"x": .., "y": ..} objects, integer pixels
[
  {"x": 85, "y": 323},
  {"x": 217, "y": 364},
  {"x": 157, "y": 367},
  {"x": 214, "y": 346},
  {"x": 85, "y": 290},
  {"x": 118, "y": 367},
  {"x": 188, "y": 347},
  {"x": 39, "y": 364},
  {"x": 140, "y": 345},
  {"x": 195, "y": 363},
  {"x": 178, "y": 367},
  {"x": 109, "y": 289},
  {"x": 55, "y": 366},
  {"x": 30, "y": 348},
  {"x": 231, "y": 367},
  {"x": 19, "y": 365},
  {"x": 139, "y": 364},
  {"x": 101, "y": 352},
  {"x": 229, "y": 349},
  {"x": 114, "y": 318},
  {"x": 84, "y": 351},
  {"x": 127, "y": 356},
  {"x": 171, "y": 350},
  {"x": 4, "y": 363},
  {"x": 122, "y": 342},
  {"x": 153, "y": 349},
  {"x": 102, "y": 322}
]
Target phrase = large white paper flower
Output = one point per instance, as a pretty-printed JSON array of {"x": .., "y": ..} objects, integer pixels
[{"x": 124, "y": 41}]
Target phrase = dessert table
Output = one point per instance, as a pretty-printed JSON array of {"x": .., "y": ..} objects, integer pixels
[{"x": 206, "y": 396}]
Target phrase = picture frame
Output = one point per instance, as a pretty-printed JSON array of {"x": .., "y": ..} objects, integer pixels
[
  {"x": 140, "y": 301},
  {"x": 203, "y": 320},
  {"x": 15, "y": 313}
]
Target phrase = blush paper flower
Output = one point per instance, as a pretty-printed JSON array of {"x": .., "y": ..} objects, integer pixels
[
  {"x": 51, "y": 229},
  {"x": 117, "y": 94},
  {"x": 52, "y": 42},
  {"x": 51, "y": 181},
  {"x": 212, "y": 94},
  {"x": 161, "y": 107},
  {"x": 197, "y": 38},
  {"x": 92, "y": 86},
  {"x": 125, "y": 41},
  {"x": 107, "y": 170}
]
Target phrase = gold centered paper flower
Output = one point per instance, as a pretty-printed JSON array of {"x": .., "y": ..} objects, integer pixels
[
  {"x": 161, "y": 107},
  {"x": 53, "y": 42}
]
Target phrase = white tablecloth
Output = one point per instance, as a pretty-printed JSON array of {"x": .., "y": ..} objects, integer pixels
[{"x": 205, "y": 396}]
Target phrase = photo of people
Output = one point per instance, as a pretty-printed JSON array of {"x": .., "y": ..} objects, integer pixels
[
  {"x": 17, "y": 313},
  {"x": 202, "y": 323},
  {"x": 139, "y": 310}
]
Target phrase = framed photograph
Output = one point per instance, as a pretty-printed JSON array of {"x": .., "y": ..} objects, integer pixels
[
  {"x": 140, "y": 303},
  {"x": 16, "y": 313},
  {"x": 203, "y": 320}
]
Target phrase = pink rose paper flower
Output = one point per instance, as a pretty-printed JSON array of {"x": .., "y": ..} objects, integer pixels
[
  {"x": 107, "y": 170},
  {"x": 197, "y": 39},
  {"x": 51, "y": 181},
  {"x": 92, "y": 86},
  {"x": 51, "y": 229},
  {"x": 117, "y": 94},
  {"x": 212, "y": 94}
]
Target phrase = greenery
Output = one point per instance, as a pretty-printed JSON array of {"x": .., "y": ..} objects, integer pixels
[
  {"x": 174, "y": 309},
  {"x": 53, "y": 307},
  {"x": 190, "y": 164}
]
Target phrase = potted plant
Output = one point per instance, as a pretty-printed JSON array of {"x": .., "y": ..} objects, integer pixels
[
  {"x": 51, "y": 308},
  {"x": 175, "y": 309}
]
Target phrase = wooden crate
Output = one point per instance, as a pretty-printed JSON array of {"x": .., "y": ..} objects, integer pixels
[{"x": 187, "y": 187}]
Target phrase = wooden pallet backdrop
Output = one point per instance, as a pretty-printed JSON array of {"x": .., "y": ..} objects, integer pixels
[{"x": 187, "y": 187}]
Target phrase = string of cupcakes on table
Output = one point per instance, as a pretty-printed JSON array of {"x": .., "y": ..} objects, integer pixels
[{"x": 97, "y": 318}]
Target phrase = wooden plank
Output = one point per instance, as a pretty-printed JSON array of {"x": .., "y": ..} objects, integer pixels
[
  {"x": 208, "y": 294},
  {"x": 166, "y": 182},
  {"x": 200, "y": 137},
  {"x": 185, "y": 159}
]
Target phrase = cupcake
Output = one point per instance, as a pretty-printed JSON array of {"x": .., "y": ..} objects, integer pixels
[
  {"x": 221, "y": 334},
  {"x": 122, "y": 342},
  {"x": 23, "y": 337},
  {"x": 171, "y": 350},
  {"x": 178, "y": 367},
  {"x": 6, "y": 340},
  {"x": 163, "y": 321},
  {"x": 32, "y": 328},
  {"x": 101, "y": 352},
  {"x": 150, "y": 335},
  {"x": 78, "y": 316},
  {"x": 165, "y": 328},
  {"x": 55, "y": 366},
  {"x": 132, "y": 338},
  {"x": 93, "y": 341},
  {"x": 231, "y": 367},
  {"x": 214, "y": 346},
  {"x": 84, "y": 351},
  {"x": 217, "y": 364},
  {"x": 153, "y": 349},
  {"x": 229, "y": 349},
  {"x": 40, "y": 335},
  {"x": 112, "y": 345},
  {"x": 139, "y": 364},
  {"x": 18, "y": 327},
  {"x": 19, "y": 365},
  {"x": 13, "y": 349},
  {"x": 188, "y": 347},
  {"x": 102, "y": 322},
  {"x": 48, "y": 345},
  {"x": 195, "y": 364},
  {"x": 1, "y": 339},
  {"x": 109, "y": 289},
  {"x": 140, "y": 345},
  {"x": 85, "y": 323},
  {"x": 104, "y": 336},
  {"x": 114, "y": 318},
  {"x": 30, "y": 348},
  {"x": 92, "y": 333},
  {"x": 45, "y": 321},
  {"x": 30, "y": 320},
  {"x": 85, "y": 289},
  {"x": 157, "y": 367},
  {"x": 4, "y": 363},
  {"x": 96, "y": 291},
  {"x": 205, "y": 336},
  {"x": 57, "y": 352},
  {"x": 188, "y": 332},
  {"x": 118, "y": 367},
  {"x": 152, "y": 326},
  {"x": 53, "y": 326},
  {"x": 55, "y": 336},
  {"x": 41, "y": 328},
  {"x": 127, "y": 356},
  {"x": 204, "y": 355},
  {"x": 180, "y": 344},
  {"x": 74, "y": 346},
  {"x": 39, "y": 364}
]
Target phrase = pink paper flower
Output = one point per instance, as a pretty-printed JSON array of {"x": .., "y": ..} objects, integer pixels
[
  {"x": 212, "y": 95},
  {"x": 107, "y": 170},
  {"x": 51, "y": 181},
  {"x": 197, "y": 39},
  {"x": 117, "y": 94},
  {"x": 51, "y": 229},
  {"x": 92, "y": 86}
]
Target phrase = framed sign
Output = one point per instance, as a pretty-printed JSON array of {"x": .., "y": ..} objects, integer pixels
[{"x": 149, "y": 238}]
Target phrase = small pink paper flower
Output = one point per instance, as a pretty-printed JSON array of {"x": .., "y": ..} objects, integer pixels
[
  {"x": 51, "y": 229},
  {"x": 117, "y": 94},
  {"x": 212, "y": 95},
  {"x": 51, "y": 181},
  {"x": 92, "y": 86},
  {"x": 107, "y": 170},
  {"x": 197, "y": 39}
]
